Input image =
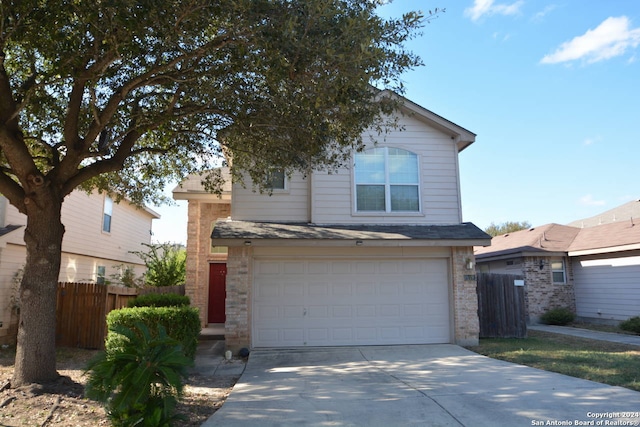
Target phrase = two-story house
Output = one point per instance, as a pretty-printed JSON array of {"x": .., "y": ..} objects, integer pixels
[
  {"x": 375, "y": 253},
  {"x": 99, "y": 237}
]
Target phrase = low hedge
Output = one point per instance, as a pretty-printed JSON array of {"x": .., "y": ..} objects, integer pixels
[
  {"x": 631, "y": 325},
  {"x": 558, "y": 316},
  {"x": 181, "y": 323},
  {"x": 159, "y": 300}
]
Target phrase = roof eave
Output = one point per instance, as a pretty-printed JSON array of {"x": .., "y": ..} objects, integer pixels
[
  {"x": 461, "y": 137},
  {"x": 347, "y": 242},
  {"x": 225, "y": 197},
  {"x": 518, "y": 254},
  {"x": 608, "y": 250}
]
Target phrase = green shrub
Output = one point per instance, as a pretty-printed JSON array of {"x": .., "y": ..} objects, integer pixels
[
  {"x": 141, "y": 382},
  {"x": 166, "y": 264},
  {"x": 558, "y": 316},
  {"x": 631, "y": 325},
  {"x": 159, "y": 300},
  {"x": 181, "y": 323}
]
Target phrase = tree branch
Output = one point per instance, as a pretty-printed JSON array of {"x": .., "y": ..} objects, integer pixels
[{"x": 13, "y": 192}]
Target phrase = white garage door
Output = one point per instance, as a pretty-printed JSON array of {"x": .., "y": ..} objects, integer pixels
[{"x": 315, "y": 302}]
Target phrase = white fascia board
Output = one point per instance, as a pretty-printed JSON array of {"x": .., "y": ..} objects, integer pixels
[{"x": 611, "y": 249}]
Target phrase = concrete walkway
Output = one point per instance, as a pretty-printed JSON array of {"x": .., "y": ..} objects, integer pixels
[
  {"x": 587, "y": 333},
  {"x": 421, "y": 385}
]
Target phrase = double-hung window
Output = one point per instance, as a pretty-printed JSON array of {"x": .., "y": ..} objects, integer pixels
[
  {"x": 558, "y": 271},
  {"x": 106, "y": 214},
  {"x": 387, "y": 180}
]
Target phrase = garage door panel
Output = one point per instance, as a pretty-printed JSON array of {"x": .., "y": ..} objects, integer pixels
[{"x": 350, "y": 302}]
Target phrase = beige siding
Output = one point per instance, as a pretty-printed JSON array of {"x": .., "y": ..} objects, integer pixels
[
  {"x": 73, "y": 268},
  {"x": 82, "y": 218},
  {"x": 84, "y": 246},
  {"x": 11, "y": 260},
  {"x": 290, "y": 205},
  {"x": 333, "y": 193}
]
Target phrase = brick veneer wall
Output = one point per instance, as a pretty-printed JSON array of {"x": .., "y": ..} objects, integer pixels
[
  {"x": 541, "y": 294},
  {"x": 201, "y": 216},
  {"x": 465, "y": 298},
  {"x": 238, "y": 302},
  {"x": 237, "y": 331}
]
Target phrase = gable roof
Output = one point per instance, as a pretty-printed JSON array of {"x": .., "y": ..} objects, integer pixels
[
  {"x": 460, "y": 136},
  {"x": 617, "y": 236},
  {"x": 191, "y": 188},
  {"x": 549, "y": 239},
  {"x": 625, "y": 212}
]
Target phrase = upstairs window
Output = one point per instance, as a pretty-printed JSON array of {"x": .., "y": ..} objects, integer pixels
[
  {"x": 106, "y": 216},
  {"x": 387, "y": 180}
]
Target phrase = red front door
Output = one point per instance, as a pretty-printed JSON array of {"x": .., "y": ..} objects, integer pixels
[{"x": 217, "y": 292}]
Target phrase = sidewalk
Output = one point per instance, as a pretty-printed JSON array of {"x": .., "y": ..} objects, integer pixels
[
  {"x": 587, "y": 333},
  {"x": 210, "y": 354}
]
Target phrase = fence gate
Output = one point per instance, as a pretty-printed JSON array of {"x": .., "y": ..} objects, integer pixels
[{"x": 501, "y": 308}]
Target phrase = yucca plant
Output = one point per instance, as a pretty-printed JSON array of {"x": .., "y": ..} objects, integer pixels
[{"x": 140, "y": 382}]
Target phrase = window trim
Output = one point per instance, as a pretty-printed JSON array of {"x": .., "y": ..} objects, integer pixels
[
  {"x": 563, "y": 270},
  {"x": 101, "y": 274},
  {"x": 387, "y": 186},
  {"x": 285, "y": 182},
  {"x": 107, "y": 211}
]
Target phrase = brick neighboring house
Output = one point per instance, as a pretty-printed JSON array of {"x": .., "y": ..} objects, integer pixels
[
  {"x": 376, "y": 253},
  {"x": 591, "y": 266},
  {"x": 539, "y": 254}
]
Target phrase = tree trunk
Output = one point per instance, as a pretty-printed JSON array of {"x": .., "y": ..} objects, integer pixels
[{"x": 36, "y": 349}]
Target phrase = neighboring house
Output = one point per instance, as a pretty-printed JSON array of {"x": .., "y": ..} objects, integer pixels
[
  {"x": 594, "y": 271},
  {"x": 539, "y": 254},
  {"x": 376, "y": 253},
  {"x": 99, "y": 235}
]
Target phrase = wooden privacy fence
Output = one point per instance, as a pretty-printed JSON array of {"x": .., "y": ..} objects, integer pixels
[
  {"x": 501, "y": 308},
  {"x": 82, "y": 309}
]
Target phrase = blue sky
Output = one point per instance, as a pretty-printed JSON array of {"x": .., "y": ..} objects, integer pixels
[{"x": 552, "y": 90}]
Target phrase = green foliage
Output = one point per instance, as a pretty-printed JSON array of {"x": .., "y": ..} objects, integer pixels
[
  {"x": 166, "y": 264},
  {"x": 159, "y": 300},
  {"x": 125, "y": 275},
  {"x": 125, "y": 96},
  {"x": 128, "y": 96},
  {"x": 631, "y": 325},
  {"x": 506, "y": 227},
  {"x": 141, "y": 381},
  {"x": 181, "y": 323},
  {"x": 558, "y": 316}
]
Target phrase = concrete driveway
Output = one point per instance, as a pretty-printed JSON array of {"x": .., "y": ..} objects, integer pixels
[{"x": 425, "y": 385}]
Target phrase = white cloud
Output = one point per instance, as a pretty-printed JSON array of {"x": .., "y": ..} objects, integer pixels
[
  {"x": 481, "y": 8},
  {"x": 587, "y": 200},
  {"x": 609, "y": 39},
  {"x": 591, "y": 141},
  {"x": 544, "y": 12}
]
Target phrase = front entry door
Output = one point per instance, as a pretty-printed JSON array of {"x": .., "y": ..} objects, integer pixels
[{"x": 217, "y": 292}]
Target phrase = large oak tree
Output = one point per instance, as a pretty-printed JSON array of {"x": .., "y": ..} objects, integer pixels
[{"x": 128, "y": 95}]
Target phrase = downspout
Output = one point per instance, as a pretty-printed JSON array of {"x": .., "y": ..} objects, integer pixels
[{"x": 310, "y": 204}]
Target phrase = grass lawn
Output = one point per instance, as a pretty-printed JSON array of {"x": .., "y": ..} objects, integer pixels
[{"x": 600, "y": 361}]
